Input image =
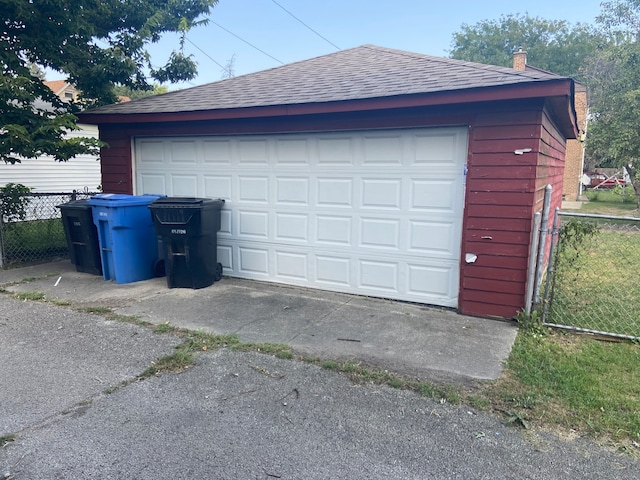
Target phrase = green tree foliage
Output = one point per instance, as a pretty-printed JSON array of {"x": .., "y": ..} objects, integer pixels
[
  {"x": 552, "y": 45},
  {"x": 614, "y": 80},
  {"x": 135, "y": 94},
  {"x": 97, "y": 44}
]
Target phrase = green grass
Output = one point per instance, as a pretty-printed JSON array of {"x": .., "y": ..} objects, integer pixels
[
  {"x": 596, "y": 284},
  {"x": 623, "y": 198},
  {"x": 178, "y": 361},
  {"x": 574, "y": 383},
  {"x": 30, "y": 296}
]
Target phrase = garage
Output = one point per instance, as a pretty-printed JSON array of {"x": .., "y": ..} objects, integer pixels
[
  {"x": 376, "y": 213},
  {"x": 372, "y": 171}
]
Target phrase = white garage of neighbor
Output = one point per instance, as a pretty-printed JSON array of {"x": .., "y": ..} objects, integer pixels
[{"x": 369, "y": 212}]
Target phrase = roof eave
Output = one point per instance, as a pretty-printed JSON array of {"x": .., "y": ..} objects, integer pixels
[{"x": 561, "y": 88}]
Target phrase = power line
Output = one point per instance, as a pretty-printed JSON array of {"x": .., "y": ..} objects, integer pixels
[
  {"x": 324, "y": 38},
  {"x": 250, "y": 44},
  {"x": 209, "y": 56}
]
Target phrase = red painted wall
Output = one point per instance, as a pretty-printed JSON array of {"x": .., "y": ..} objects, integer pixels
[{"x": 503, "y": 190}]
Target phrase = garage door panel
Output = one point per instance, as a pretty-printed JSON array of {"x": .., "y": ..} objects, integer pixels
[
  {"x": 435, "y": 195},
  {"x": 292, "y": 226},
  {"x": 380, "y": 233},
  {"x": 439, "y": 148},
  {"x": 335, "y": 150},
  {"x": 225, "y": 257},
  {"x": 375, "y": 213},
  {"x": 252, "y": 151},
  {"x": 430, "y": 281},
  {"x": 436, "y": 238},
  {"x": 253, "y": 189},
  {"x": 378, "y": 275},
  {"x": 292, "y": 151},
  {"x": 333, "y": 270},
  {"x": 150, "y": 151},
  {"x": 254, "y": 261},
  {"x": 152, "y": 183},
  {"x": 383, "y": 150},
  {"x": 253, "y": 224},
  {"x": 290, "y": 265},
  {"x": 218, "y": 186},
  {"x": 183, "y": 185},
  {"x": 380, "y": 193},
  {"x": 226, "y": 223},
  {"x": 183, "y": 152},
  {"x": 218, "y": 151},
  {"x": 335, "y": 192},
  {"x": 292, "y": 191},
  {"x": 332, "y": 229}
]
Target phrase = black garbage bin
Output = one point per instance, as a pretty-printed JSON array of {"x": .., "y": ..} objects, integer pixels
[
  {"x": 82, "y": 236},
  {"x": 189, "y": 228}
]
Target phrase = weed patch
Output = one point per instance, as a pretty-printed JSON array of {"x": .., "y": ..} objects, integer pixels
[
  {"x": 96, "y": 310},
  {"x": 178, "y": 361},
  {"x": 363, "y": 374},
  {"x": 5, "y": 439},
  {"x": 30, "y": 296},
  {"x": 276, "y": 349}
]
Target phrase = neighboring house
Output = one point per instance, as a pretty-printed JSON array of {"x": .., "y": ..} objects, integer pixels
[
  {"x": 63, "y": 89},
  {"x": 371, "y": 171},
  {"x": 44, "y": 174},
  {"x": 574, "y": 158}
]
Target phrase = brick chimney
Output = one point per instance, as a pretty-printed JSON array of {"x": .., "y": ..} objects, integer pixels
[{"x": 520, "y": 59}]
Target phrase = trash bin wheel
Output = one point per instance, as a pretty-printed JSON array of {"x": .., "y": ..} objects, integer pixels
[{"x": 218, "y": 272}]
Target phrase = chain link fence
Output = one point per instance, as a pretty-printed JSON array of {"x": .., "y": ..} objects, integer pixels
[
  {"x": 593, "y": 278},
  {"x": 31, "y": 229}
]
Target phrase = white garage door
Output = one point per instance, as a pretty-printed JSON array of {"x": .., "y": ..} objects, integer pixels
[{"x": 375, "y": 213}]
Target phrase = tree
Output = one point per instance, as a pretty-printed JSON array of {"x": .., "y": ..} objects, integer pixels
[
  {"x": 228, "y": 71},
  {"x": 552, "y": 45},
  {"x": 97, "y": 44},
  {"x": 614, "y": 79},
  {"x": 135, "y": 94}
]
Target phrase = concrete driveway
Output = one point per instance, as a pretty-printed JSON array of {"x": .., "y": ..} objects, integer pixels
[{"x": 70, "y": 406}]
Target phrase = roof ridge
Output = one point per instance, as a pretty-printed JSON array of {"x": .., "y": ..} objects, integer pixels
[{"x": 448, "y": 60}]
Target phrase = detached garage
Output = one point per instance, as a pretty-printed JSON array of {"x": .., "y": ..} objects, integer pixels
[{"x": 369, "y": 171}]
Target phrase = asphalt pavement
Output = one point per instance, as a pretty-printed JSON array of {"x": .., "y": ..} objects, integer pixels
[{"x": 71, "y": 406}]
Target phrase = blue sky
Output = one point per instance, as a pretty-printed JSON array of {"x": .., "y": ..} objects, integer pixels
[{"x": 419, "y": 26}]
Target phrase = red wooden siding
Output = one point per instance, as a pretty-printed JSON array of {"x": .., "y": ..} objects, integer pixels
[
  {"x": 499, "y": 210},
  {"x": 551, "y": 169},
  {"x": 503, "y": 190},
  {"x": 115, "y": 161}
]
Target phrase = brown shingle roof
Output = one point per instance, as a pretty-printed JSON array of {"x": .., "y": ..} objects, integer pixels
[
  {"x": 358, "y": 73},
  {"x": 56, "y": 85}
]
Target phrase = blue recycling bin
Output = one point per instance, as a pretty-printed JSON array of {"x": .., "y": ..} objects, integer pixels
[{"x": 128, "y": 242}]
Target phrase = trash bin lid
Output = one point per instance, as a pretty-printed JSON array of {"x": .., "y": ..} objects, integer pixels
[
  {"x": 186, "y": 202},
  {"x": 75, "y": 204},
  {"x": 121, "y": 200}
]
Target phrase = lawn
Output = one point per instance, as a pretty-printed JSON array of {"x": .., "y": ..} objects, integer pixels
[
  {"x": 617, "y": 201},
  {"x": 577, "y": 383},
  {"x": 596, "y": 284},
  {"x": 572, "y": 384}
]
